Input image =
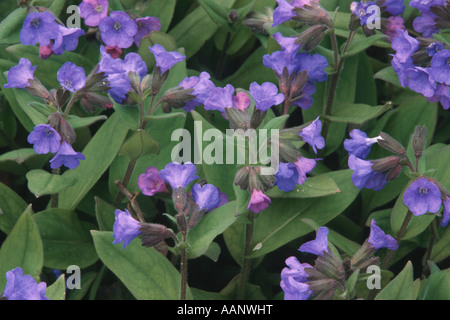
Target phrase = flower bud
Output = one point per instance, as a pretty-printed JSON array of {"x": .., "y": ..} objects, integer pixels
[
  {"x": 195, "y": 217},
  {"x": 181, "y": 222},
  {"x": 37, "y": 89},
  {"x": 177, "y": 97},
  {"x": 311, "y": 37},
  {"x": 179, "y": 199},
  {"x": 153, "y": 233},
  {"x": 419, "y": 140},
  {"x": 257, "y": 118},
  {"x": 65, "y": 130},
  {"x": 298, "y": 84},
  {"x": 258, "y": 22},
  {"x": 135, "y": 81},
  {"x": 233, "y": 16},
  {"x": 312, "y": 14},
  {"x": 158, "y": 79},
  {"x": 238, "y": 119},
  {"x": 354, "y": 23},
  {"x": 385, "y": 164},
  {"x": 241, "y": 177},
  {"x": 288, "y": 151},
  {"x": 267, "y": 181},
  {"x": 91, "y": 100},
  {"x": 389, "y": 143},
  {"x": 61, "y": 95},
  {"x": 394, "y": 172}
]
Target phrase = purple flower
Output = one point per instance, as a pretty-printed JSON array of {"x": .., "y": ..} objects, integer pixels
[
  {"x": 23, "y": 287},
  {"x": 424, "y": 5},
  {"x": 279, "y": 60},
  {"x": 258, "y": 201},
  {"x": 311, "y": 135},
  {"x": 144, "y": 27},
  {"x": 293, "y": 280},
  {"x": 440, "y": 67},
  {"x": 67, "y": 39},
  {"x": 164, "y": 59},
  {"x": 446, "y": 214},
  {"x": 207, "y": 197},
  {"x": 202, "y": 88},
  {"x": 286, "y": 177},
  {"x": 394, "y": 7},
  {"x": 434, "y": 48},
  {"x": 179, "y": 175},
  {"x": 223, "y": 199},
  {"x": 305, "y": 101},
  {"x": 282, "y": 13},
  {"x": 359, "y": 144},
  {"x": 220, "y": 98},
  {"x": 241, "y": 101},
  {"x": 134, "y": 63},
  {"x": 394, "y": 23},
  {"x": 19, "y": 75},
  {"x": 71, "y": 77},
  {"x": 363, "y": 175},
  {"x": 360, "y": 10},
  {"x": 420, "y": 81},
  {"x": 125, "y": 228},
  {"x": 442, "y": 95},
  {"x": 422, "y": 196},
  {"x": 265, "y": 95},
  {"x": 45, "y": 139},
  {"x": 401, "y": 69},
  {"x": 304, "y": 166},
  {"x": 93, "y": 11},
  {"x": 150, "y": 182},
  {"x": 39, "y": 27},
  {"x": 378, "y": 239},
  {"x": 120, "y": 86},
  {"x": 66, "y": 156},
  {"x": 118, "y": 30},
  {"x": 287, "y": 44},
  {"x": 318, "y": 245},
  {"x": 426, "y": 24},
  {"x": 404, "y": 45},
  {"x": 313, "y": 64}
]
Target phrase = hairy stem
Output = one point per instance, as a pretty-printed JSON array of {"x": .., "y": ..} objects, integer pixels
[
  {"x": 246, "y": 264},
  {"x": 183, "y": 267},
  {"x": 54, "y": 196}
]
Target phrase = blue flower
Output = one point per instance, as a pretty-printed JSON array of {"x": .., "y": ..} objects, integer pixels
[
  {"x": 19, "y": 75},
  {"x": 207, "y": 197},
  {"x": 446, "y": 214},
  {"x": 259, "y": 201},
  {"x": 93, "y": 11},
  {"x": 360, "y": 10},
  {"x": 44, "y": 139},
  {"x": 150, "y": 182},
  {"x": 378, "y": 239},
  {"x": 39, "y": 27},
  {"x": 179, "y": 175},
  {"x": 311, "y": 135},
  {"x": 202, "y": 86},
  {"x": 404, "y": 45},
  {"x": 125, "y": 228},
  {"x": 287, "y": 44},
  {"x": 282, "y": 13},
  {"x": 286, "y": 177},
  {"x": 440, "y": 67},
  {"x": 165, "y": 59},
  {"x": 293, "y": 280},
  {"x": 359, "y": 144},
  {"x": 265, "y": 95},
  {"x": 363, "y": 175},
  {"x": 67, "y": 39},
  {"x": 394, "y": 7},
  {"x": 118, "y": 30},
  {"x": 313, "y": 64},
  {"x": 144, "y": 27},
  {"x": 318, "y": 245},
  {"x": 422, "y": 196},
  {"x": 23, "y": 287},
  {"x": 304, "y": 166},
  {"x": 71, "y": 77},
  {"x": 66, "y": 156},
  {"x": 220, "y": 98}
]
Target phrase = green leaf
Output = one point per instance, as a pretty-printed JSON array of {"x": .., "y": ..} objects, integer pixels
[
  {"x": 436, "y": 287},
  {"x": 105, "y": 214},
  {"x": 217, "y": 12},
  {"x": 65, "y": 240},
  {"x": 22, "y": 248},
  {"x": 57, "y": 291},
  {"x": 282, "y": 221},
  {"x": 100, "y": 152},
  {"x": 441, "y": 247},
  {"x": 77, "y": 122},
  {"x": 41, "y": 182},
  {"x": 318, "y": 186},
  {"x": 358, "y": 45},
  {"x": 11, "y": 208},
  {"x": 389, "y": 75},
  {"x": 140, "y": 144},
  {"x": 401, "y": 287},
  {"x": 210, "y": 226},
  {"x": 162, "y": 9},
  {"x": 144, "y": 271},
  {"x": 351, "y": 283},
  {"x": 10, "y": 26},
  {"x": 356, "y": 113}
]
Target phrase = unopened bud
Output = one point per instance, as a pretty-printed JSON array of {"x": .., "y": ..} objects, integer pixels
[
  {"x": 158, "y": 79},
  {"x": 389, "y": 143},
  {"x": 37, "y": 89},
  {"x": 177, "y": 97},
  {"x": 179, "y": 199},
  {"x": 61, "y": 95},
  {"x": 385, "y": 164},
  {"x": 65, "y": 130},
  {"x": 153, "y": 233},
  {"x": 258, "y": 22},
  {"x": 238, "y": 119},
  {"x": 233, "y": 16},
  {"x": 312, "y": 14},
  {"x": 181, "y": 222},
  {"x": 311, "y": 37},
  {"x": 241, "y": 177},
  {"x": 296, "y": 90},
  {"x": 394, "y": 172},
  {"x": 288, "y": 151},
  {"x": 135, "y": 82},
  {"x": 257, "y": 118},
  {"x": 354, "y": 23},
  {"x": 253, "y": 181},
  {"x": 195, "y": 217},
  {"x": 146, "y": 83},
  {"x": 419, "y": 140},
  {"x": 91, "y": 100},
  {"x": 266, "y": 180}
]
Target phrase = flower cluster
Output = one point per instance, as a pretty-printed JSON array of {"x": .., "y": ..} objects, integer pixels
[
  {"x": 423, "y": 64},
  {"x": 302, "y": 281},
  {"x": 175, "y": 179},
  {"x": 432, "y": 17}
]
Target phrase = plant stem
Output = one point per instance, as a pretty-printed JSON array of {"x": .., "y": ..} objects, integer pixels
[
  {"x": 70, "y": 103},
  {"x": 183, "y": 267},
  {"x": 125, "y": 181},
  {"x": 54, "y": 196},
  {"x": 433, "y": 236},
  {"x": 246, "y": 264},
  {"x": 339, "y": 63},
  {"x": 223, "y": 56}
]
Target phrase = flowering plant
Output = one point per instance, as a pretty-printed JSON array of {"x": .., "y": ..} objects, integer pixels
[{"x": 224, "y": 149}]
